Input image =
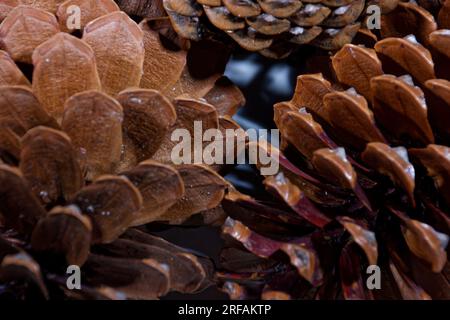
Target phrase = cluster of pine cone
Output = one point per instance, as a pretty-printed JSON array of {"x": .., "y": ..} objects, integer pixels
[{"x": 87, "y": 114}]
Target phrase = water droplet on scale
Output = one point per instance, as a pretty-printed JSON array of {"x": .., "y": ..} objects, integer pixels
[
  {"x": 136, "y": 100},
  {"x": 44, "y": 196}
]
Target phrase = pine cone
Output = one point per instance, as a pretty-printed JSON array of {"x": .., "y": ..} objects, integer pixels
[
  {"x": 85, "y": 152},
  {"x": 363, "y": 181},
  {"x": 272, "y": 27}
]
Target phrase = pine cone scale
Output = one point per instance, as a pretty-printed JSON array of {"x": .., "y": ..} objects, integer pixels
[
  {"x": 383, "y": 108},
  {"x": 272, "y": 19}
]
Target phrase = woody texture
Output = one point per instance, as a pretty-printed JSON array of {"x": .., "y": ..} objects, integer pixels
[{"x": 92, "y": 90}]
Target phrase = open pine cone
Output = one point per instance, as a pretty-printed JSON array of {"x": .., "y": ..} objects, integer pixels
[
  {"x": 273, "y": 27},
  {"x": 364, "y": 179},
  {"x": 85, "y": 128}
]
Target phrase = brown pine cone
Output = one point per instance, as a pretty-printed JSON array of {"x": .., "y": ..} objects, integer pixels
[
  {"x": 272, "y": 27},
  {"x": 85, "y": 157},
  {"x": 363, "y": 181}
]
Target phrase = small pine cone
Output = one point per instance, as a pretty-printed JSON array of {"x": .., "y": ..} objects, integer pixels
[{"x": 364, "y": 180}]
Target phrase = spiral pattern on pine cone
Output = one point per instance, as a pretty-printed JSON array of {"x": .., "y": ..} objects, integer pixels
[
  {"x": 364, "y": 179},
  {"x": 85, "y": 155},
  {"x": 273, "y": 27}
]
